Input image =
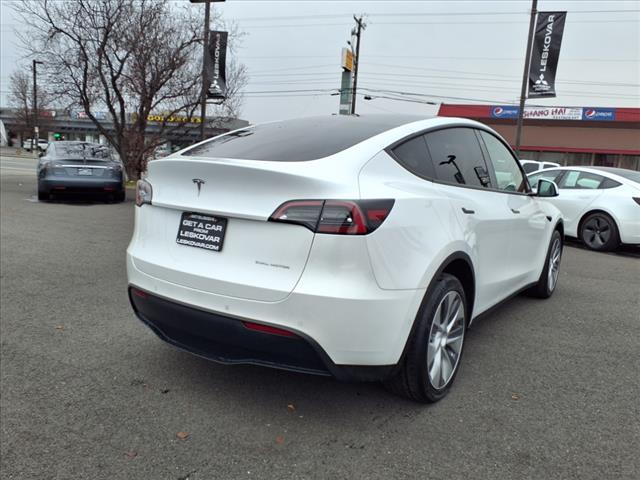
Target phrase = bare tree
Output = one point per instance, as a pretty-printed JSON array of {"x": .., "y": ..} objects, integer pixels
[
  {"x": 132, "y": 58},
  {"x": 21, "y": 99}
]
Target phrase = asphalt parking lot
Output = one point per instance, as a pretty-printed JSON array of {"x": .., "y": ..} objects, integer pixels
[{"x": 547, "y": 389}]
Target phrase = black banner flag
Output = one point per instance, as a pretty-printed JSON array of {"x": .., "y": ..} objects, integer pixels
[
  {"x": 545, "y": 54},
  {"x": 216, "y": 66}
]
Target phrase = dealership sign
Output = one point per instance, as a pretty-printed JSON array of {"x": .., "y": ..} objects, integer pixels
[
  {"x": 555, "y": 113},
  {"x": 545, "y": 54},
  {"x": 216, "y": 79}
]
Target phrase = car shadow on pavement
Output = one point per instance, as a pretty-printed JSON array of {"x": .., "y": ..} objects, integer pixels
[
  {"x": 260, "y": 391},
  {"x": 622, "y": 250},
  {"x": 79, "y": 201}
]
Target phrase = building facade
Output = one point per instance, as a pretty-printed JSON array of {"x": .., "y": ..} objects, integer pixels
[
  {"x": 178, "y": 131},
  {"x": 565, "y": 135}
]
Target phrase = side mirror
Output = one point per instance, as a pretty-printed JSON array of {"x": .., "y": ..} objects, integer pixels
[{"x": 546, "y": 189}]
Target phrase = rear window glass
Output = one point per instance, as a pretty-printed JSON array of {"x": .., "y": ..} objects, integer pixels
[
  {"x": 82, "y": 150},
  {"x": 298, "y": 140}
]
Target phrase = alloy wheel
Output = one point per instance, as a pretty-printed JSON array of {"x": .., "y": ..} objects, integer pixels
[
  {"x": 596, "y": 232},
  {"x": 445, "y": 340},
  {"x": 554, "y": 264}
]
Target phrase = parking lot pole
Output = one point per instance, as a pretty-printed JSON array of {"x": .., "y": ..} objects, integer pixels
[
  {"x": 525, "y": 75},
  {"x": 34, "y": 137},
  {"x": 205, "y": 51}
]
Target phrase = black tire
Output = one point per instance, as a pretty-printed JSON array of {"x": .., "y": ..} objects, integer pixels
[
  {"x": 412, "y": 379},
  {"x": 547, "y": 282},
  {"x": 121, "y": 196},
  {"x": 598, "y": 231},
  {"x": 43, "y": 196}
]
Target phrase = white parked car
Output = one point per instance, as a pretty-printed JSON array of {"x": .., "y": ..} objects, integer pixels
[
  {"x": 360, "y": 247},
  {"x": 599, "y": 205},
  {"x": 532, "y": 165},
  {"x": 41, "y": 144}
]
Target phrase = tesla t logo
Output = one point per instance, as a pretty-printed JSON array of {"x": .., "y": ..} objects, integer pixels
[{"x": 199, "y": 182}]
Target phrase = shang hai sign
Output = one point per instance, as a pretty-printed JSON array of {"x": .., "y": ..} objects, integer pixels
[
  {"x": 540, "y": 113},
  {"x": 553, "y": 113}
]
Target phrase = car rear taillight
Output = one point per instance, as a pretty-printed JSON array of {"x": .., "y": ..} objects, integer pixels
[
  {"x": 340, "y": 217},
  {"x": 636, "y": 199},
  {"x": 144, "y": 193}
]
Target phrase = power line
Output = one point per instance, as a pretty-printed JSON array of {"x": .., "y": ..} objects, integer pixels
[
  {"x": 423, "y": 14},
  {"x": 503, "y": 79},
  {"x": 491, "y": 23},
  {"x": 477, "y": 75},
  {"x": 448, "y": 57},
  {"x": 450, "y": 86}
]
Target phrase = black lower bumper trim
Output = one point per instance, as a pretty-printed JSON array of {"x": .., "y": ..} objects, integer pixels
[{"x": 226, "y": 340}]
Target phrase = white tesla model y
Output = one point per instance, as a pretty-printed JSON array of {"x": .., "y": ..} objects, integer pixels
[
  {"x": 599, "y": 205},
  {"x": 359, "y": 247}
]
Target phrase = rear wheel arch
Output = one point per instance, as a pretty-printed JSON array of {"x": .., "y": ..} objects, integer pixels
[{"x": 459, "y": 265}]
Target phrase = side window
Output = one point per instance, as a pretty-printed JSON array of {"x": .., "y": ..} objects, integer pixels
[
  {"x": 608, "y": 183},
  {"x": 457, "y": 157},
  {"x": 414, "y": 156},
  {"x": 552, "y": 175},
  {"x": 581, "y": 180},
  {"x": 508, "y": 174},
  {"x": 530, "y": 167}
]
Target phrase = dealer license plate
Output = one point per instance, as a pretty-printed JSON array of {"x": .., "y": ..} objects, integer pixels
[
  {"x": 85, "y": 171},
  {"x": 201, "y": 231}
]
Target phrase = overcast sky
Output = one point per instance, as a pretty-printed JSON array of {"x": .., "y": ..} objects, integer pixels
[{"x": 439, "y": 51}]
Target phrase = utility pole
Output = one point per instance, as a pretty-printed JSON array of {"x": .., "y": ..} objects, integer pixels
[
  {"x": 36, "y": 131},
  {"x": 205, "y": 52},
  {"x": 525, "y": 75},
  {"x": 361, "y": 26}
]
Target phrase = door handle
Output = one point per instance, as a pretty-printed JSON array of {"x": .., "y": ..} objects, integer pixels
[
  {"x": 467, "y": 211},
  {"x": 515, "y": 211}
]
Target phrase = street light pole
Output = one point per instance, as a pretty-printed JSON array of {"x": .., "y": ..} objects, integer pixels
[
  {"x": 34, "y": 137},
  {"x": 525, "y": 76},
  {"x": 205, "y": 51}
]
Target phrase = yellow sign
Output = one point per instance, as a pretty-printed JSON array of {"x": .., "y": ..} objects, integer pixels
[
  {"x": 347, "y": 59},
  {"x": 173, "y": 119}
]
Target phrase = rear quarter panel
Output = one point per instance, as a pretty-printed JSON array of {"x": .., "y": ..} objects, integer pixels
[{"x": 418, "y": 235}]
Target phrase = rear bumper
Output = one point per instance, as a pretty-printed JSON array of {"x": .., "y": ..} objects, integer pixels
[
  {"x": 228, "y": 340},
  {"x": 353, "y": 322},
  {"x": 81, "y": 184}
]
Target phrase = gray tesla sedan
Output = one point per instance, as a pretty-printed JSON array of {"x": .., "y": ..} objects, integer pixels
[{"x": 80, "y": 168}]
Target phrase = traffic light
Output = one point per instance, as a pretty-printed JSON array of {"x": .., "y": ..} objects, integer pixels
[{"x": 58, "y": 136}]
